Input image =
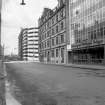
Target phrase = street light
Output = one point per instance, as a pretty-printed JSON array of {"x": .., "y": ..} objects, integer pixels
[{"x": 23, "y": 3}]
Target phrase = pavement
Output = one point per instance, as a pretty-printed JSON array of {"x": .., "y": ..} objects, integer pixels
[
  {"x": 81, "y": 66},
  {"x": 2, "y": 85}
]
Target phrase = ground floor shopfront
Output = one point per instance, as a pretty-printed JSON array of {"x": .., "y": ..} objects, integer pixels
[
  {"x": 54, "y": 55},
  {"x": 89, "y": 55}
]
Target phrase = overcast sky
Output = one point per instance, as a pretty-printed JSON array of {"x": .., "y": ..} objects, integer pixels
[{"x": 15, "y": 16}]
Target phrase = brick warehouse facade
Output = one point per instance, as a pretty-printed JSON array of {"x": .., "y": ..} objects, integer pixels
[
  {"x": 88, "y": 31},
  {"x": 28, "y": 44},
  {"x": 53, "y": 34}
]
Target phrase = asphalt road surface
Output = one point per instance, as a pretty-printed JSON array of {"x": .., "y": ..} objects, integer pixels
[{"x": 41, "y": 84}]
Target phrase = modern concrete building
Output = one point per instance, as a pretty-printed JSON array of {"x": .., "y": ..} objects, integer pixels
[
  {"x": 28, "y": 44},
  {"x": 87, "y": 31},
  {"x": 53, "y": 34}
]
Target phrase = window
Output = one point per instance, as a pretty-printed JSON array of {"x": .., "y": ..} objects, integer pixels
[
  {"x": 53, "y": 31},
  {"x": 53, "y": 42},
  {"x": 45, "y": 35},
  {"x": 62, "y": 38},
  {"x": 92, "y": 35},
  {"x": 52, "y": 20},
  {"x": 57, "y": 52},
  {"x": 104, "y": 31},
  {"x": 62, "y": 25},
  {"x": 57, "y": 18},
  {"x": 95, "y": 35},
  {"x": 45, "y": 44},
  {"x": 45, "y": 54},
  {"x": 45, "y": 26},
  {"x": 42, "y": 37},
  {"x": 53, "y": 54},
  {"x": 57, "y": 40},
  {"x": 48, "y": 24},
  {"x": 57, "y": 29},
  {"x": 61, "y": 13},
  {"x": 101, "y": 32},
  {"x": 89, "y": 36},
  {"x": 48, "y": 43},
  {"x": 48, "y": 33},
  {"x": 98, "y": 33},
  {"x": 42, "y": 45},
  {"x": 62, "y": 55}
]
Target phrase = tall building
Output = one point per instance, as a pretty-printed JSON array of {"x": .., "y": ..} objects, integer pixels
[
  {"x": 53, "y": 34},
  {"x": 0, "y": 30},
  {"x": 20, "y": 45},
  {"x": 87, "y": 31},
  {"x": 28, "y": 44}
]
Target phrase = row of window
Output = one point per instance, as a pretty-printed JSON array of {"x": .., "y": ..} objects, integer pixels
[
  {"x": 53, "y": 20},
  {"x": 88, "y": 20},
  {"x": 55, "y": 52},
  {"x": 53, "y": 42},
  {"x": 91, "y": 35},
  {"x": 53, "y": 31},
  {"x": 58, "y": 40},
  {"x": 87, "y": 7}
]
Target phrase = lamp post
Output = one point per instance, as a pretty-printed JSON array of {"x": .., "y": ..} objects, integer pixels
[{"x": 23, "y": 3}]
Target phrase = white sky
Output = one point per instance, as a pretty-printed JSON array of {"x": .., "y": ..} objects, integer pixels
[{"x": 15, "y": 16}]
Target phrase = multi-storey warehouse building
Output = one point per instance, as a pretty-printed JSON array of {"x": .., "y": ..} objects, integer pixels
[
  {"x": 28, "y": 44},
  {"x": 53, "y": 34},
  {"x": 87, "y": 22}
]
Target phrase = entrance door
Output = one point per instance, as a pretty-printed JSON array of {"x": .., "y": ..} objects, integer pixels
[
  {"x": 48, "y": 56},
  {"x": 62, "y": 55}
]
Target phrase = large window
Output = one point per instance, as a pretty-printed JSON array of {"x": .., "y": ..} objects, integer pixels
[
  {"x": 104, "y": 32},
  {"x": 57, "y": 40},
  {"x": 57, "y": 29},
  {"x": 52, "y": 20},
  {"x": 45, "y": 35},
  {"x": 45, "y": 54},
  {"x": 62, "y": 55},
  {"x": 53, "y": 42},
  {"x": 61, "y": 14},
  {"x": 57, "y": 18},
  {"x": 62, "y": 38},
  {"x": 101, "y": 32},
  {"x": 57, "y": 52},
  {"x": 48, "y": 33},
  {"x": 45, "y": 44},
  {"x": 53, "y": 31},
  {"x": 48, "y": 43},
  {"x": 53, "y": 54},
  {"x": 62, "y": 25}
]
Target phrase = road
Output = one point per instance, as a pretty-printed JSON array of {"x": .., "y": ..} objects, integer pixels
[{"x": 41, "y": 84}]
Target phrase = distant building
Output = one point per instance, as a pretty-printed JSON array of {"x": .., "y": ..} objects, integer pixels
[
  {"x": 87, "y": 27},
  {"x": 53, "y": 34},
  {"x": 28, "y": 44}
]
